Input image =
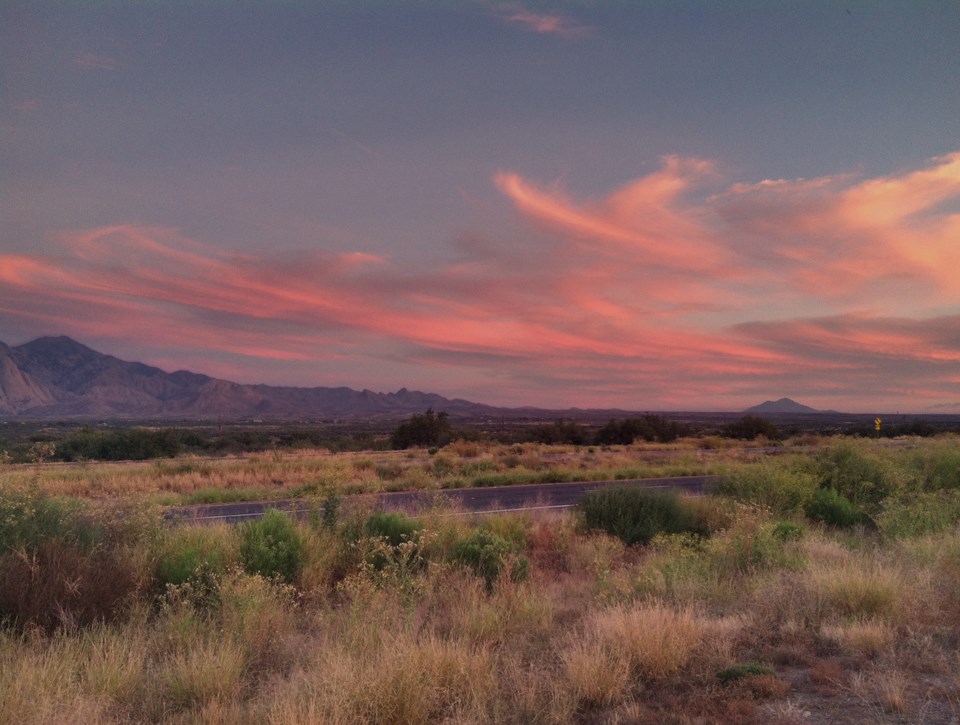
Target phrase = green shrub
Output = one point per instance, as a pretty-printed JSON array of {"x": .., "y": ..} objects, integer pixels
[
  {"x": 190, "y": 563},
  {"x": 327, "y": 512},
  {"x": 487, "y": 554},
  {"x": 272, "y": 547},
  {"x": 787, "y": 531},
  {"x": 636, "y": 515},
  {"x": 937, "y": 465},
  {"x": 29, "y": 518},
  {"x": 777, "y": 485},
  {"x": 833, "y": 508},
  {"x": 864, "y": 480},
  {"x": 920, "y": 514},
  {"x": 394, "y": 527}
]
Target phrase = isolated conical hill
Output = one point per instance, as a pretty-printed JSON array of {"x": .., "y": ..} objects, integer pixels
[{"x": 784, "y": 405}]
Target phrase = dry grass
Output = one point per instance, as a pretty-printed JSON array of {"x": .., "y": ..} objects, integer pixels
[
  {"x": 869, "y": 637},
  {"x": 267, "y": 477},
  {"x": 598, "y": 632}
]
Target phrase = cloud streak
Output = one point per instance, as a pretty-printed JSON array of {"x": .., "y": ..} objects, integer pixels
[
  {"x": 677, "y": 290},
  {"x": 544, "y": 23}
]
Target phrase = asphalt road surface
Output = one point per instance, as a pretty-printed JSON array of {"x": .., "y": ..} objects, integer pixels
[{"x": 468, "y": 500}]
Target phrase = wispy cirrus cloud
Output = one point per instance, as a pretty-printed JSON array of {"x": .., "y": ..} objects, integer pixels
[
  {"x": 676, "y": 290},
  {"x": 95, "y": 61},
  {"x": 544, "y": 23}
]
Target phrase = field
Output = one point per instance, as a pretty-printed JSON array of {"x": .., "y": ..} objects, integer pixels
[{"x": 819, "y": 585}]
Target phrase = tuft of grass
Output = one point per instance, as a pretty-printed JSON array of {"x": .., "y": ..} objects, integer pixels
[
  {"x": 208, "y": 670},
  {"x": 859, "y": 589},
  {"x": 867, "y": 637},
  {"x": 657, "y": 639}
]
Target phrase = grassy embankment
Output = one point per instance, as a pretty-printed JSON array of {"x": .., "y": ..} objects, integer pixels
[
  {"x": 773, "y": 602},
  {"x": 196, "y": 479}
]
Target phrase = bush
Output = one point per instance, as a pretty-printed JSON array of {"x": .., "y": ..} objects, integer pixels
[
  {"x": 860, "y": 478},
  {"x": 272, "y": 547},
  {"x": 920, "y": 514},
  {"x": 775, "y": 485},
  {"x": 61, "y": 584},
  {"x": 833, "y": 508},
  {"x": 394, "y": 527},
  {"x": 487, "y": 554},
  {"x": 938, "y": 466},
  {"x": 636, "y": 515},
  {"x": 787, "y": 531},
  {"x": 29, "y": 518}
]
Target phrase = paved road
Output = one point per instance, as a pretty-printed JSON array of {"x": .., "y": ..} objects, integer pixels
[{"x": 470, "y": 500}]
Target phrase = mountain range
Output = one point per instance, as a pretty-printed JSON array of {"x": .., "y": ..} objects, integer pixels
[{"x": 57, "y": 377}]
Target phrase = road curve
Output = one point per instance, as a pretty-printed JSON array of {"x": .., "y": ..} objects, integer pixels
[{"x": 469, "y": 500}]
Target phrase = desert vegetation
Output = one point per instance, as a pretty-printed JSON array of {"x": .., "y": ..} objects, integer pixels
[{"x": 818, "y": 586}]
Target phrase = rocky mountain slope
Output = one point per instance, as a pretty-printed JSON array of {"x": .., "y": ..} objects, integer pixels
[{"x": 54, "y": 377}]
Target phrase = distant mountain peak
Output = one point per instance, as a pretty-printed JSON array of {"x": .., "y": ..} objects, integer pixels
[
  {"x": 57, "y": 376},
  {"x": 784, "y": 405}
]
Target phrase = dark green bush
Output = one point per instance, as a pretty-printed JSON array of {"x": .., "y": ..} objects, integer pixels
[
  {"x": 394, "y": 527},
  {"x": 272, "y": 547},
  {"x": 636, "y": 515},
  {"x": 487, "y": 553},
  {"x": 833, "y": 508},
  {"x": 189, "y": 564},
  {"x": 787, "y": 531}
]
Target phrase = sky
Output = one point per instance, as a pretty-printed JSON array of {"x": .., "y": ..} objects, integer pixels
[{"x": 643, "y": 204}]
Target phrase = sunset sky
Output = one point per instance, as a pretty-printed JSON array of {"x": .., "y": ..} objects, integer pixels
[{"x": 644, "y": 204}]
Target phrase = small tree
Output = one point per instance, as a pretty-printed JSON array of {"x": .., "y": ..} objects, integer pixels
[{"x": 42, "y": 450}]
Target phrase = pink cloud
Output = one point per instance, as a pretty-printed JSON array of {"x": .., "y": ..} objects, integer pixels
[
  {"x": 546, "y": 23},
  {"x": 664, "y": 292}
]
